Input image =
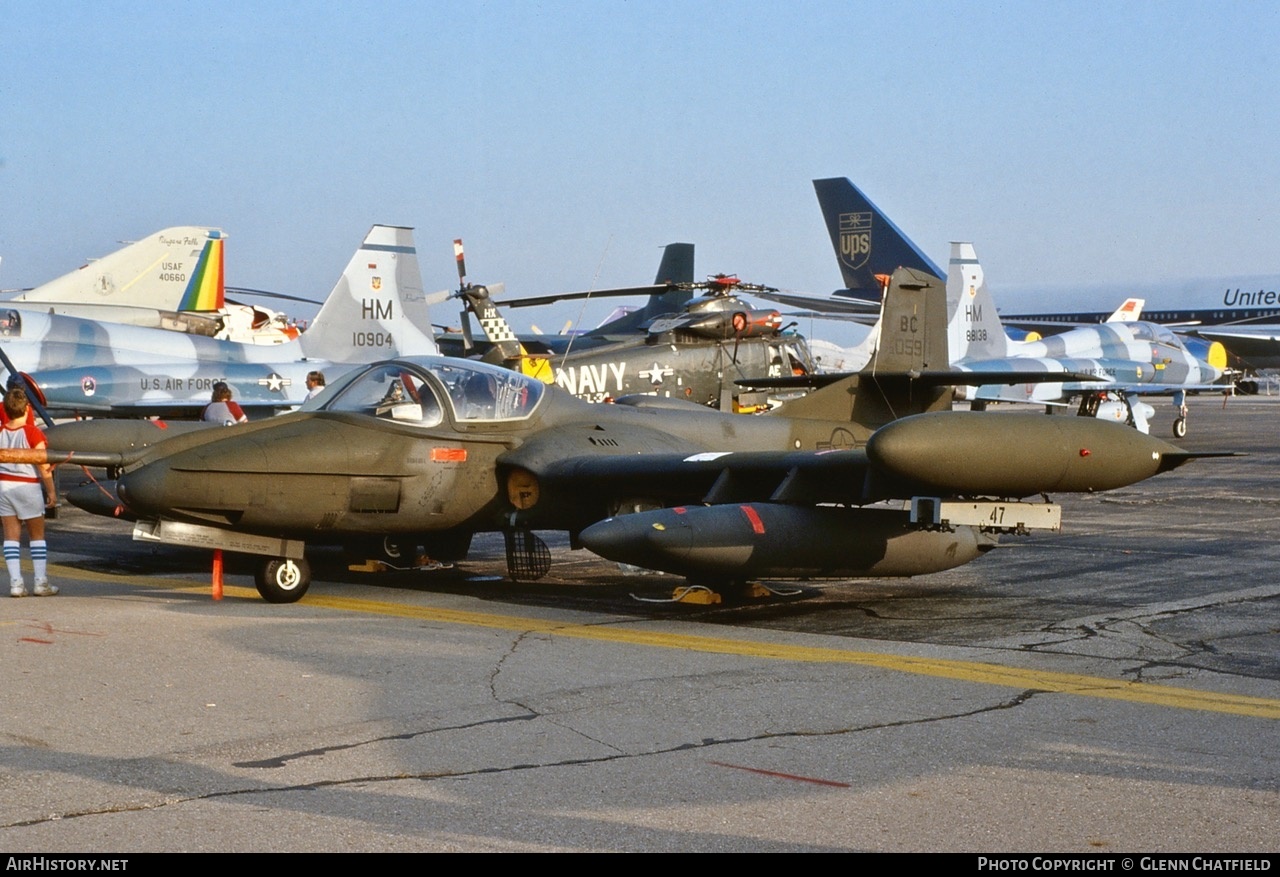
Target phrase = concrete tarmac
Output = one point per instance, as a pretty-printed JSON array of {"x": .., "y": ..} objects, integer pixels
[{"x": 1112, "y": 688}]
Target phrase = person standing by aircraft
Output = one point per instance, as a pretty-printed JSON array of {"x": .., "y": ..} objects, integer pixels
[
  {"x": 315, "y": 384},
  {"x": 221, "y": 409},
  {"x": 22, "y": 502}
]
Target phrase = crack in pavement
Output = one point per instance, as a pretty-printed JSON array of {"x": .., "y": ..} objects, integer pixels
[
  {"x": 705, "y": 743},
  {"x": 493, "y": 691},
  {"x": 1108, "y": 627},
  {"x": 282, "y": 760}
]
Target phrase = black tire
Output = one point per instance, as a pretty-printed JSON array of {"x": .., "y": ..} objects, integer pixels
[
  {"x": 1180, "y": 427},
  {"x": 281, "y": 580}
]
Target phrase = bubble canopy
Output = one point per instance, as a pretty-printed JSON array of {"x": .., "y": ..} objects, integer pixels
[{"x": 419, "y": 390}]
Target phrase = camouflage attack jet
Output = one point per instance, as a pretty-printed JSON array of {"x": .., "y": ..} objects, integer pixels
[
  {"x": 376, "y": 310},
  {"x": 1124, "y": 359},
  {"x": 432, "y": 450}
]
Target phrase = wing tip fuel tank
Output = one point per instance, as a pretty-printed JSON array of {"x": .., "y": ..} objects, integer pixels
[{"x": 1013, "y": 455}]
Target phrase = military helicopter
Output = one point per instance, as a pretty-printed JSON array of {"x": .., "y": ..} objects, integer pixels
[{"x": 693, "y": 341}]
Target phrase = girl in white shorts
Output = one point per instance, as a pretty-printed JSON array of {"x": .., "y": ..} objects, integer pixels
[{"x": 26, "y": 489}]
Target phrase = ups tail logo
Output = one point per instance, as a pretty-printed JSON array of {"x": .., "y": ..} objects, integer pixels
[{"x": 855, "y": 239}]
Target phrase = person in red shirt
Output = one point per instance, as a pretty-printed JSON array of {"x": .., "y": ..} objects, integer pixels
[
  {"x": 22, "y": 499},
  {"x": 221, "y": 409}
]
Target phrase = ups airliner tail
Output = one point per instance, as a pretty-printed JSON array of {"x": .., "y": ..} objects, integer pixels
[{"x": 868, "y": 246}]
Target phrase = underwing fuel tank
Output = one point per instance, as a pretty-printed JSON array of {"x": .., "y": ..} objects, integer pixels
[
  {"x": 98, "y": 498},
  {"x": 769, "y": 540},
  {"x": 122, "y": 436},
  {"x": 1013, "y": 455}
]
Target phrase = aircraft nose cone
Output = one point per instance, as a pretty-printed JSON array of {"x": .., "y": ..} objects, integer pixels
[
  {"x": 97, "y": 498},
  {"x": 638, "y": 539},
  {"x": 144, "y": 491}
]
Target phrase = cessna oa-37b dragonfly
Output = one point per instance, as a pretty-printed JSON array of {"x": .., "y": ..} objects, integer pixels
[{"x": 432, "y": 449}]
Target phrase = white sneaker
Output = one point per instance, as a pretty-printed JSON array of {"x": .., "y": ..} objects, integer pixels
[
  {"x": 17, "y": 589},
  {"x": 44, "y": 589}
]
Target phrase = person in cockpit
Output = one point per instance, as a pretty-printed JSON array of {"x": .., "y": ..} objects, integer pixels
[
  {"x": 394, "y": 396},
  {"x": 480, "y": 397}
]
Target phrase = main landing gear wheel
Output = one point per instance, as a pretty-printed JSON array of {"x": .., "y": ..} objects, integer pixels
[
  {"x": 282, "y": 580},
  {"x": 1180, "y": 427}
]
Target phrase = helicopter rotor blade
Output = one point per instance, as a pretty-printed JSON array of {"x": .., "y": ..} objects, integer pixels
[{"x": 461, "y": 259}]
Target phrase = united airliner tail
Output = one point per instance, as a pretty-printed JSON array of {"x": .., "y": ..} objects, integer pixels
[
  {"x": 868, "y": 246},
  {"x": 176, "y": 269},
  {"x": 377, "y": 309}
]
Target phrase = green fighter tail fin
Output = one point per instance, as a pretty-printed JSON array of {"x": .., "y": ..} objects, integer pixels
[{"x": 913, "y": 340}]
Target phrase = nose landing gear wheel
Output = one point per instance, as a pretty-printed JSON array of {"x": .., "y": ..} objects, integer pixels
[
  {"x": 282, "y": 580},
  {"x": 1180, "y": 427}
]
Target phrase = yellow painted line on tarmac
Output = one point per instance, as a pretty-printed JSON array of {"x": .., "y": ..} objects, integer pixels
[
  {"x": 57, "y": 570},
  {"x": 964, "y": 671}
]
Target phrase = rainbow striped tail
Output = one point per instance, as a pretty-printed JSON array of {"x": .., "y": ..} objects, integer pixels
[{"x": 206, "y": 291}]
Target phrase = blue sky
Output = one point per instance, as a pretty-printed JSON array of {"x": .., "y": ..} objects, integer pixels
[{"x": 566, "y": 142}]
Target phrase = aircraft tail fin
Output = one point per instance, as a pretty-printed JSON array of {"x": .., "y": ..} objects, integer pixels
[
  {"x": 207, "y": 288},
  {"x": 155, "y": 272},
  {"x": 975, "y": 330},
  {"x": 912, "y": 340},
  {"x": 507, "y": 349},
  {"x": 868, "y": 246},
  {"x": 377, "y": 309},
  {"x": 913, "y": 320},
  {"x": 676, "y": 267},
  {"x": 1129, "y": 312}
]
